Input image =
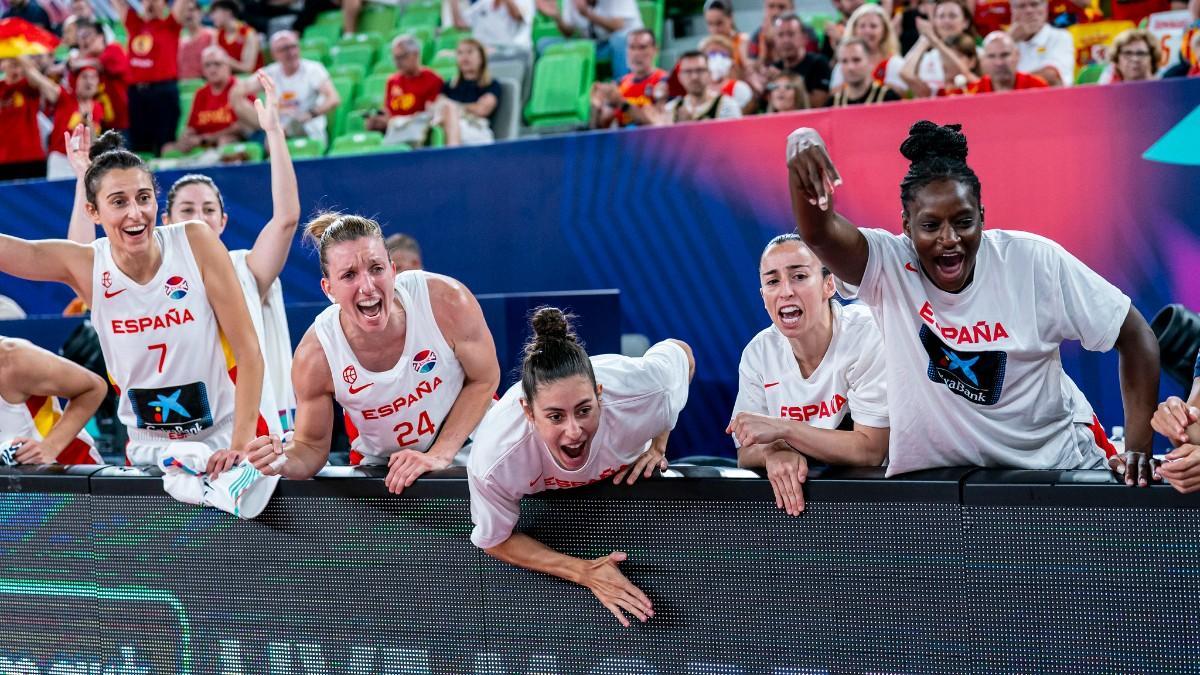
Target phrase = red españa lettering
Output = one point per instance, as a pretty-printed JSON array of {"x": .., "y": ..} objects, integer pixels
[
  {"x": 804, "y": 413},
  {"x": 144, "y": 323},
  {"x": 409, "y": 399},
  {"x": 982, "y": 331}
]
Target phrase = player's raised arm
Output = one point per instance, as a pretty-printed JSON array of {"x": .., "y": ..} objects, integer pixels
[{"x": 812, "y": 180}]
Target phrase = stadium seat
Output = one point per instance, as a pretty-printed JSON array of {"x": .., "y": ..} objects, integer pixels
[
  {"x": 243, "y": 152},
  {"x": 347, "y": 89},
  {"x": 349, "y": 70},
  {"x": 437, "y": 137},
  {"x": 371, "y": 93},
  {"x": 376, "y": 18},
  {"x": 325, "y": 31},
  {"x": 445, "y": 66},
  {"x": 185, "y": 111},
  {"x": 584, "y": 48},
  {"x": 190, "y": 86},
  {"x": 561, "y": 83},
  {"x": 316, "y": 43},
  {"x": 331, "y": 17},
  {"x": 448, "y": 40},
  {"x": 175, "y": 154},
  {"x": 356, "y": 121},
  {"x": 818, "y": 22},
  {"x": 544, "y": 27},
  {"x": 652, "y": 17},
  {"x": 507, "y": 123},
  {"x": 417, "y": 15},
  {"x": 1091, "y": 73},
  {"x": 360, "y": 54},
  {"x": 304, "y": 148},
  {"x": 384, "y": 65},
  {"x": 360, "y": 143}
]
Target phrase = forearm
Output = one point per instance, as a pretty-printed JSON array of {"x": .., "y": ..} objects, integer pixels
[
  {"x": 480, "y": 109},
  {"x": 1050, "y": 75},
  {"x": 513, "y": 10},
  {"x": 526, "y": 552},
  {"x": 305, "y": 458},
  {"x": 833, "y": 446},
  {"x": 81, "y": 229},
  {"x": 611, "y": 24},
  {"x": 753, "y": 456},
  {"x": 75, "y": 416},
  {"x": 1139, "y": 366},
  {"x": 473, "y": 401},
  {"x": 246, "y": 398}
]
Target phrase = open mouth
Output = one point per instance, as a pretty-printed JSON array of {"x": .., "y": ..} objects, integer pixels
[
  {"x": 370, "y": 308},
  {"x": 949, "y": 265},
  {"x": 134, "y": 230},
  {"x": 573, "y": 451},
  {"x": 789, "y": 315}
]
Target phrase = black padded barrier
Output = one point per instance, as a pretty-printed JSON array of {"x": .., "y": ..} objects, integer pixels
[{"x": 950, "y": 571}]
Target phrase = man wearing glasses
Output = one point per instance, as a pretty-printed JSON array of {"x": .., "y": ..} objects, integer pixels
[
  {"x": 1045, "y": 51},
  {"x": 306, "y": 93}
]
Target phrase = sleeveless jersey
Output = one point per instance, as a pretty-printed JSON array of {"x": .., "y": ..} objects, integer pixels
[
  {"x": 164, "y": 351},
  {"x": 233, "y": 47},
  {"x": 403, "y": 408},
  {"x": 34, "y": 419}
]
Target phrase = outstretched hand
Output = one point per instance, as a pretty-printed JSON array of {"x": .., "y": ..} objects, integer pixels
[
  {"x": 268, "y": 113},
  {"x": 613, "y": 590},
  {"x": 810, "y": 169},
  {"x": 79, "y": 148}
]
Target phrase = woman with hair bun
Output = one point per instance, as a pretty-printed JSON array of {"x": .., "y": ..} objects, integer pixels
[
  {"x": 167, "y": 309},
  {"x": 573, "y": 420},
  {"x": 408, "y": 357},
  {"x": 972, "y": 320}
]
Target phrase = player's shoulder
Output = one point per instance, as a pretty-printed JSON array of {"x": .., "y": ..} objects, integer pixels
[
  {"x": 501, "y": 435},
  {"x": 1016, "y": 243},
  {"x": 857, "y": 317},
  {"x": 764, "y": 341}
]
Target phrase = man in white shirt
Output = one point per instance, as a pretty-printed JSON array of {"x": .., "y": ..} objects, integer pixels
[
  {"x": 306, "y": 93},
  {"x": 701, "y": 102},
  {"x": 504, "y": 25},
  {"x": 1046, "y": 51},
  {"x": 608, "y": 22}
]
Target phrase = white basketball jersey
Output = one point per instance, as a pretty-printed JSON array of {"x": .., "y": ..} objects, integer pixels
[
  {"x": 403, "y": 408},
  {"x": 164, "y": 350},
  {"x": 850, "y": 378},
  {"x": 34, "y": 419}
]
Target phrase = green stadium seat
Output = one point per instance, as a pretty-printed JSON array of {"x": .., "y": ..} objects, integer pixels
[
  {"x": 652, "y": 17},
  {"x": 330, "y": 17},
  {"x": 315, "y": 54},
  {"x": 325, "y": 31},
  {"x": 373, "y": 39},
  {"x": 385, "y": 65},
  {"x": 347, "y": 89},
  {"x": 818, "y": 22},
  {"x": 304, "y": 148},
  {"x": 544, "y": 27},
  {"x": 356, "y": 121},
  {"x": 418, "y": 15},
  {"x": 356, "y": 144},
  {"x": 371, "y": 93},
  {"x": 448, "y": 40},
  {"x": 561, "y": 83},
  {"x": 351, "y": 70},
  {"x": 190, "y": 86},
  {"x": 446, "y": 71},
  {"x": 1090, "y": 74},
  {"x": 175, "y": 154},
  {"x": 185, "y": 111},
  {"x": 316, "y": 43},
  {"x": 377, "y": 18},
  {"x": 360, "y": 54},
  {"x": 247, "y": 152},
  {"x": 584, "y": 48},
  {"x": 437, "y": 137}
]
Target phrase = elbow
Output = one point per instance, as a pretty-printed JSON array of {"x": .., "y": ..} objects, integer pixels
[
  {"x": 691, "y": 358},
  {"x": 1136, "y": 339},
  {"x": 97, "y": 390}
]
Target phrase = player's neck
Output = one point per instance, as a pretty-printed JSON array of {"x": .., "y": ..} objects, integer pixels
[{"x": 811, "y": 347}]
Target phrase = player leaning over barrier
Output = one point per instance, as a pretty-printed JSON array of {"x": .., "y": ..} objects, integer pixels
[
  {"x": 409, "y": 357},
  {"x": 33, "y": 429},
  {"x": 573, "y": 420},
  {"x": 168, "y": 311},
  {"x": 1179, "y": 421},
  {"x": 812, "y": 384},
  {"x": 972, "y": 320}
]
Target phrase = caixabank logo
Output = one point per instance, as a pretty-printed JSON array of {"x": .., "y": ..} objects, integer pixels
[{"x": 975, "y": 376}]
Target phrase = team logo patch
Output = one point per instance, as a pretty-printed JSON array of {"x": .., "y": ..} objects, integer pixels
[
  {"x": 176, "y": 288},
  {"x": 425, "y": 361},
  {"x": 106, "y": 280},
  {"x": 350, "y": 375},
  {"x": 180, "y": 411},
  {"x": 975, "y": 376}
]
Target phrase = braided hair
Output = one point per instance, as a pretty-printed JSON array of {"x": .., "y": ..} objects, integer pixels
[{"x": 936, "y": 153}]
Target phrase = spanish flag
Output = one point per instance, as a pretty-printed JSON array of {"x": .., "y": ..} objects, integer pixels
[{"x": 18, "y": 37}]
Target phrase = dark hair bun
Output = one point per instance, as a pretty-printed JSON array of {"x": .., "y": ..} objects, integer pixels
[
  {"x": 550, "y": 323},
  {"x": 927, "y": 141},
  {"x": 109, "y": 140}
]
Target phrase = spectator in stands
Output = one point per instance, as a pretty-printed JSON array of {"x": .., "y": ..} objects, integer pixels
[
  {"x": 623, "y": 103},
  {"x": 791, "y": 48},
  {"x": 469, "y": 101},
  {"x": 726, "y": 72},
  {"x": 21, "y": 153},
  {"x": 72, "y": 106},
  {"x": 404, "y": 252},
  {"x": 761, "y": 46},
  {"x": 196, "y": 37},
  {"x": 154, "y": 69},
  {"x": 718, "y": 18},
  {"x": 1133, "y": 56},
  {"x": 114, "y": 74},
  {"x": 306, "y": 93},
  {"x": 29, "y": 10},
  {"x": 997, "y": 396},
  {"x": 786, "y": 93},
  {"x": 574, "y": 420},
  {"x": 925, "y": 68},
  {"x": 32, "y": 380},
  {"x": 497, "y": 24},
  {"x": 835, "y": 31},
  {"x": 214, "y": 121},
  {"x": 858, "y": 86},
  {"x": 701, "y": 102},
  {"x": 1000, "y": 72},
  {"x": 871, "y": 25},
  {"x": 1044, "y": 51},
  {"x": 407, "y": 96},
  {"x": 82, "y": 10},
  {"x": 905, "y": 23},
  {"x": 813, "y": 383},
  {"x": 260, "y": 13},
  {"x": 237, "y": 38},
  {"x": 608, "y": 22},
  {"x": 1179, "y": 421}
]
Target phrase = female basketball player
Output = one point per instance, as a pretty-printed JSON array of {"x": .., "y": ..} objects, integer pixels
[
  {"x": 32, "y": 424},
  {"x": 973, "y": 320},
  {"x": 409, "y": 357},
  {"x": 1179, "y": 421},
  {"x": 196, "y": 197},
  {"x": 166, "y": 305},
  {"x": 573, "y": 421},
  {"x": 812, "y": 384}
]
